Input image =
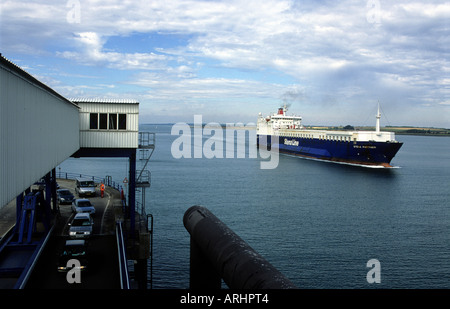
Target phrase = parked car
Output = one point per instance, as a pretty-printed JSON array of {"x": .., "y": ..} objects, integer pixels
[
  {"x": 81, "y": 226},
  {"x": 73, "y": 249},
  {"x": 64, "y": 196},
  {"x": 85, "y": 186},
  {"x": 80, "y": 205}
]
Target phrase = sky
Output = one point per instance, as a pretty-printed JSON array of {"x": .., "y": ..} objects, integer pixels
[{"x": 331, "y": 62}]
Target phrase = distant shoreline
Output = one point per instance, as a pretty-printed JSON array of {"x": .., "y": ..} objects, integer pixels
[{"x": 400, "y": 130}]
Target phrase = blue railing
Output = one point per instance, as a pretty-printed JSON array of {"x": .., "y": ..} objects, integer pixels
[{"x": 106, "y": 180}]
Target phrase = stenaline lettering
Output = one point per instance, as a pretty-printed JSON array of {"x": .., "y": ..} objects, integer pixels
[{"x": 290, "y": 142}]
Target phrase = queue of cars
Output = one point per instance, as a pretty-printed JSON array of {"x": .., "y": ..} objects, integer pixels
[{"x": 80, "y": 227}]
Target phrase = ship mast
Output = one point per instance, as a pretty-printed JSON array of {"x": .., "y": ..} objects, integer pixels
[{"x": 377, "y": 128}]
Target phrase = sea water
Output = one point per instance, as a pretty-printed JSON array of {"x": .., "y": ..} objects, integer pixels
[{"x": 319, "y": 223}]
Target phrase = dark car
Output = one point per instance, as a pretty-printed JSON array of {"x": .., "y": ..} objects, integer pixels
[
  {"x": 64, "y": 196},
  {"x": 73, "y": 250}
]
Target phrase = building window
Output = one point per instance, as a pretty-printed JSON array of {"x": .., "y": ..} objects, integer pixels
[
  {"x": 103, "y": 121},
  {"x": 122, "y": 121},
  {"x": 93, "y": 121},
  {"x": 112, "y": 121}
]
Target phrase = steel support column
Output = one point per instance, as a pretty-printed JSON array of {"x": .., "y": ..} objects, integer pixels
[
  {"x": 46, "y": 212},
  {"x": 132, "y": 193},
  {"x": 19, "y": 205},
  {"x": 54, "y": 199},
  {"x": 48, "y": 190},
  {"x": 19, "y": 201}
]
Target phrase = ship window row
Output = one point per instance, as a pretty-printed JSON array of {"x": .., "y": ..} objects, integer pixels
[
  {"x": 107, "y": 121},
  {"x": 300, "y": 135},
  {"x": 335, "y": 138}
]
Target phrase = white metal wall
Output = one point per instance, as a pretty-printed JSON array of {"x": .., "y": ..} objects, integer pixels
[
  {"x": 39, "y": 130},
  {"x": 109, "y": 138}
]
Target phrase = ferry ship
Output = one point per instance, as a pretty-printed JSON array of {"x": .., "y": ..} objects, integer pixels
[{"x": 364, "y": 148}]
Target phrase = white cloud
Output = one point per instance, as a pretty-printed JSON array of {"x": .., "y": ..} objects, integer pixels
[
  {"x": 336, "y": 51},
  {"x": 92, "y": 53},
  {"x": 166, "y": 86}
]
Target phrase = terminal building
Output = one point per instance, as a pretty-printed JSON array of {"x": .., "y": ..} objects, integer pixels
[
  {"x": 108, "y": 123},
  {"x": 39, "y": 129}
]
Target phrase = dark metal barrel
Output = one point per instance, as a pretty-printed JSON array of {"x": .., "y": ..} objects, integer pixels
[{"x": 217, "y": 252}]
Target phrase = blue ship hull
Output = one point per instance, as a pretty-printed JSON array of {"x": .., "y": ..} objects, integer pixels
[{"x": 369, "y": 153}]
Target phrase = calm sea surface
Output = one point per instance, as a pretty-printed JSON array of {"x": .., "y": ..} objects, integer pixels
[{"x": 318, "y": 223}]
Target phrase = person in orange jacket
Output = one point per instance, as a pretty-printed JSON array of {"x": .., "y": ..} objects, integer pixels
[{"x": 102, "y": 189}]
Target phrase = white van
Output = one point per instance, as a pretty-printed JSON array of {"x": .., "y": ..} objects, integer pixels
[{"x": 85, "y": 186}]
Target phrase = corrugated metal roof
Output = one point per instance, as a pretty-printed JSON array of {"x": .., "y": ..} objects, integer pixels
[
  {"x": 99, "y": 100},
  {"x": 9, "y": 65}
]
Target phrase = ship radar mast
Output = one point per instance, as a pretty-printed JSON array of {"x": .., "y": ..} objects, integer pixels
[{"x": 377, "y": 128}]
